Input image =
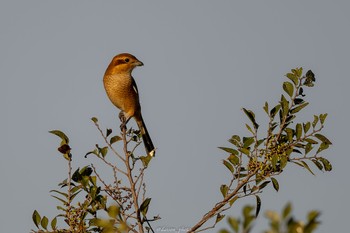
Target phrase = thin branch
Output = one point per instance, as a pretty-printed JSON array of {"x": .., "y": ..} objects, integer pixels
[
  {"x": 130, "y": 178},
  {"x": 221, "y": 204},
  {"x": 115, "y": 168},
  {"x": 108, "y": 144}
]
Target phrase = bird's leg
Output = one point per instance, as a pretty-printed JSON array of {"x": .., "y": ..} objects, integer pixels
[{"x": 124, "y": 120}]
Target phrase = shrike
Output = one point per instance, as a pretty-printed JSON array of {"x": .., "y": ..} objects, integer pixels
[{"x": 122, "y": 91}]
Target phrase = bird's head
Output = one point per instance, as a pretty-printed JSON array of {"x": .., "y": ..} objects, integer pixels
[{"x": 123, "y": 63}]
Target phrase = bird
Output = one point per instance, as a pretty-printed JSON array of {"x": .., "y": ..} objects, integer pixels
[{"x": 122, "y": 91}]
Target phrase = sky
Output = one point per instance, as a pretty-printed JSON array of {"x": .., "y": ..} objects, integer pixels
[{"x": 203, "y": 61}]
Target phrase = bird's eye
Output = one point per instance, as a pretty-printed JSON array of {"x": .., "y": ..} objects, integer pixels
[{"x": 127, "y": 60}]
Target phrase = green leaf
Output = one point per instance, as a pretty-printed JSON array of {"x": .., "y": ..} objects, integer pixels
[
  {"x": 308, "y": 148},
  {"x": 60, "y": 199},
  {"x": 307, "y": 167},
  {"x": 311, "y": 141},
  {"x": 113, "y": 211},
  {"x": 263, "y": 185},
  {"x": 283, "y": 162},
  {"x": 115, "y": 139},
  {"x": 229, "y": 150},
  {"x": 44, "y": 222},
  {"x": 274, "y": 160},
  {"x": 108, "y": 132},
  {"x": 285, "y": 106},
  {"x": 232, "y": 200},
  {"x": 258, "y": 205},
  {"x": 76, "y": 177},
  {"x": 299, "y": 107},
  {"x": 104, "y": 151},
  {"x": 68, "y": 156},
  {"x": 274, "y": 111},
  {"x": 247, "y": 141},
  {"x": 86, "y": 171},
  {"x": 245, "y": 189},
  {"x": 313, "y": 215},
  {"x": 310, "y": 79},
  {"x": 224, "y": 190},
  {"x": 95, "y": 152},
  {"x": 290, "y": 134},
  {"x": 224, "y": 231},
  {"x": 311, "y": 75},
  {"x": 274, "y": 218},
  {"x": 248, "y": 218},
  {"x": 275, "y": 184},
  {"x": 233, "y": 159},
  {"x": 260, "y": 142},
  {"x": 314, "y": 123},
  {"x": 94, "y": 119},
  {"x": 245, "y": 151},
  {"x": 64, "y": 149},
  {"x": 74, "y": 195},
  {"x": 251, "y": 117},
  {"x": 323, "y": 118},
  {"x": 234, "y": 223},
  {"x": 54, "y": 223},
  {"x": 266, "y": 108},
  {"x": 288, "y": 88},
  {"x": 61, "y": 135},
  {"x": 229, "y": 166},
  {"x": 298, "y": 72},
  {"x": 273, "y": 126},
  {"x": 293, "y": 78},
  {"x": 61, "y": 208},
  {"x": 306, "y": 127},
  {"x": 298, "y": 101},
  {"x": 322, "y": 147},
  {"x": 249, "y": 128},
  {"x": 144, "y": 206},
  {"x": 61, "y": 193},
  {"x": 287, "y": 210},
  {"x": 36, "y": 218},
  {"x": 323, "y": 139},
  {"x": 93, "y": 180},
  {"x": 145, "y": 160},
  {"x": 219, "y": 217},
  {"x": 235, "y": 140},
  {"x": 326, "y": 164},
  {"x": 318, "y": 164},
  {"x": 298, "y": 131}
]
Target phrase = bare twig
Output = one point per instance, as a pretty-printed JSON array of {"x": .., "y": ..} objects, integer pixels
[
  {"x": 108, "y": 144},
  {"x": 130, "y": 178}
]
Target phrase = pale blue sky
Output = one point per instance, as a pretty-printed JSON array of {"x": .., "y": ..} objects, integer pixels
[{"x": 204, "y": 61}]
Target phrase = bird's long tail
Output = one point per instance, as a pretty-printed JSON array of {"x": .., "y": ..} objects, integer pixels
[{"x": 147, "y": 141}]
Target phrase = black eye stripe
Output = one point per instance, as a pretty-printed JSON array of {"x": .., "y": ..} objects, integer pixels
[{"x": 121, "y": 61}]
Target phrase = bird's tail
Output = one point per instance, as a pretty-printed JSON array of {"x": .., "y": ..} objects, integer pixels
[{"x": 147, "y": 141}]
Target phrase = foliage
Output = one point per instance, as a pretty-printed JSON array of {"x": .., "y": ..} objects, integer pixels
[
  {"x": 253, "y": 161},
  {"x": 88, "y": 203},
  {"x": 278, "y": 223}
]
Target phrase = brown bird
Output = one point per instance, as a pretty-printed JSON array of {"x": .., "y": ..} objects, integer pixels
[{"x": 122, "y": 91}]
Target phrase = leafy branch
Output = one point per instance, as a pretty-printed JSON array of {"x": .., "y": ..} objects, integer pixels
[
  {"x": 278, "y": 222},
  {"x": 128, "y": 192},
  {"x": 254, "y": 161}
]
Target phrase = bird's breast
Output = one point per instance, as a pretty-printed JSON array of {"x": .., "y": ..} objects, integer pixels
[{"x": 120, "y": 91}]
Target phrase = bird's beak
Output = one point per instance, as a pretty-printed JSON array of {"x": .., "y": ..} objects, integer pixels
[{"x": 138, "y": 63}]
